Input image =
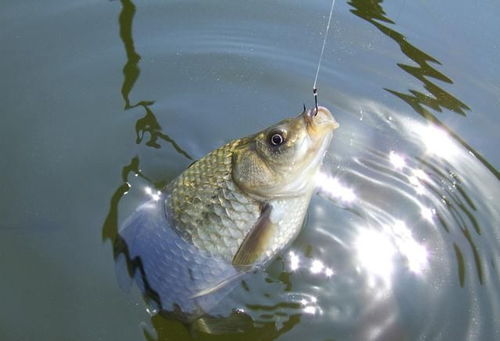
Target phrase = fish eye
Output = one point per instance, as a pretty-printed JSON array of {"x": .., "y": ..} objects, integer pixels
[{"x": 277, "y": 138}]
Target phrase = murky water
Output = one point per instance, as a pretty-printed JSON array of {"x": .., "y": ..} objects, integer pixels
[{"x": 102, "y": 99}]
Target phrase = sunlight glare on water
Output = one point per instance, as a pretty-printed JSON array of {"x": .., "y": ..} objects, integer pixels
[
  {"x": 155, "y": 195},
  {"x": 397, "y": 160},
  {"x": 375, "y": 252},
  {"x": 332, "y": 187},
  {"x": 436, "y": 140}
]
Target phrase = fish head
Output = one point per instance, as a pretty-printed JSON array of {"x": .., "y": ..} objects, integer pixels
[{"x": 282, "y": 160}]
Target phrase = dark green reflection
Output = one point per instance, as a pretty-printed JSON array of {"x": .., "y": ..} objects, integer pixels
[
  {"x": 131, "y": 69},
  {"x": 460, "y": 264},
  {"x": 146, "y": 124},
  {"x": 373, "y": 12},
  {"x": 131, "y": 73},
  {"x": 149, "y": 124},
  {"x": 475, "y": 252}
]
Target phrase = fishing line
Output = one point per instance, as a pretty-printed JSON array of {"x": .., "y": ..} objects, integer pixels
[{"x": 315, "y": 89}]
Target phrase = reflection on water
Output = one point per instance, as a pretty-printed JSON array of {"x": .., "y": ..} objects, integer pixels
[
  {"x": 376, "y": 250},
  {"x": 440, "y": 145},
  {"x": 398, "y": 161},
  {"x": 388, "y": 271},
  {"x": 149, "y": 124},
  {"x": 373, "y": 12},
  {"x": 438, "y": 139},
  {"x": 436, "y": 193},
  {"x": 314, "y": 266},
  {"x": 131, "y": 71},
  {"x": 146, "y": 124}
]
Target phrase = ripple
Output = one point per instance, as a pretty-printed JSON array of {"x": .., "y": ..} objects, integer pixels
[
  {"x": 401, "y": 240},
  {"x": 416, "y": 218}
]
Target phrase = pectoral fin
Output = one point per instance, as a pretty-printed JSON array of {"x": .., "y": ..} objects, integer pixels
[
  {"x": 257, "y": 240},
  {"x": 221, "y": 284}
]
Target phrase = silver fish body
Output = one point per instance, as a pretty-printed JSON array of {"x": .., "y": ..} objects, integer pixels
[
  {"x": 231, "y": 211},
  {"x": 171, "y": 270}
]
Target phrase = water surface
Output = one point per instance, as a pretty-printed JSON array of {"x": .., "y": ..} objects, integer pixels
[{"x": 102, "y": 99}]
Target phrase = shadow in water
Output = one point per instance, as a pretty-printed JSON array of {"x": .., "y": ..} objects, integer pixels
[
  {"x": 168, "y": 325},
  {"x": 373, "y": 12}
]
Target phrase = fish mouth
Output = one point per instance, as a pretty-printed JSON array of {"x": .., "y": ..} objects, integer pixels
[{"x": 319, "y": 121}]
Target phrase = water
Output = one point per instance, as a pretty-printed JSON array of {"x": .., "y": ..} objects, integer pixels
[{"x": 104, "y": 98}]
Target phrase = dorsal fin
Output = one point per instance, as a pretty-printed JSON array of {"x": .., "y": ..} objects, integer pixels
[{"x": 257, "y": 241}]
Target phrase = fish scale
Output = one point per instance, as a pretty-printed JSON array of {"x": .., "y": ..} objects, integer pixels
[
  {"x": 209, "y": 209},
  {"x": 290, "y": 223}
]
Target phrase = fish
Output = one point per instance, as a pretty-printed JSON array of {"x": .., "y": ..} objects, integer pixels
[{"x": 228, "y": 214}]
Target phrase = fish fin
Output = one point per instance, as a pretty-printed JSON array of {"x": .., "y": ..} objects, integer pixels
[
  {"x": 256, "y": 241},
  {"x": 217, "y": 286}
]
